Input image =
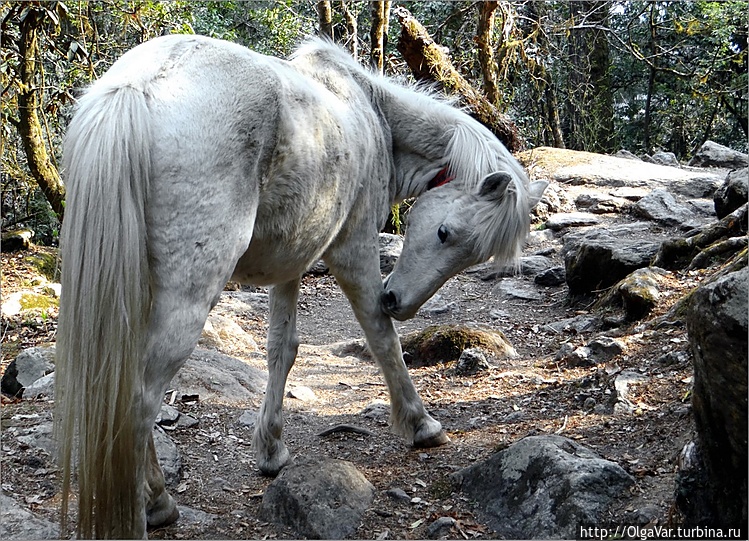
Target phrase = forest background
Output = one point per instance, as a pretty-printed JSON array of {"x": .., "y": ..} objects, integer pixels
[{"x": 593, "y": 75}]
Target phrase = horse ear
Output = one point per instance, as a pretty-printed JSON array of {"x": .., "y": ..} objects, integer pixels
[
  {"x": 536, "y": 191},
  {"x": 494, "y": 186}
]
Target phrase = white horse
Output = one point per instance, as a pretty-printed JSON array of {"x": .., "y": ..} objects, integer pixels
[{"x": 194, "y": 161}]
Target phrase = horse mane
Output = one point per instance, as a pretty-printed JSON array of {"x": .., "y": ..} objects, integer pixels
[{"x": 471, "y": 152}]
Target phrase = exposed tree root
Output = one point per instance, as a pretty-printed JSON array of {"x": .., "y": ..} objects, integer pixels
[{"x": 681, "y": 253}]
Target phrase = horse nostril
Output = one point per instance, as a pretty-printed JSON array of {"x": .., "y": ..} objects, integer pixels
[{"x": 389, "y": 300}]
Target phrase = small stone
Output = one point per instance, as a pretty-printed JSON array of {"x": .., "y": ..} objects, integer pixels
[
  {"x": 518, "y": 289},
  {"x": 560, "y": 221},
  {"x": 305, "y": 394},
  {"x": 248, "y": 419},
  {"x": 440, "y": 527},
  {"x": 552, "y": 277},
  {"x": 604, "y": 348},
  {"x": 398, "y": 494},
  {"x": 378, "y": 409},
  {"x": 437, "y": 306},
  {"x": 167, "y": 416},
  {"x": 471, "y": 361},
  {"x": 186, "y": 421},
  {"x": 514, "y": 417},
  {"x": 666, "y": 158}
]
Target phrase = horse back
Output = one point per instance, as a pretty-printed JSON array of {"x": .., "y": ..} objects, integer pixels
[{"x": 291, "y": 152}]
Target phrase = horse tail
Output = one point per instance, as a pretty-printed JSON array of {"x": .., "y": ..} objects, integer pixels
[{"x": 104, "y": 310}]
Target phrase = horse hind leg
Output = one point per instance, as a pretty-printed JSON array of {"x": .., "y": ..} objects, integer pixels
[
  {"x": 179, "y": 309},
  {"x": 283, "y": 342}
]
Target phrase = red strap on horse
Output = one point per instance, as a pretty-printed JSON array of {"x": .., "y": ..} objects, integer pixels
[{"x": 440, "y": 179}]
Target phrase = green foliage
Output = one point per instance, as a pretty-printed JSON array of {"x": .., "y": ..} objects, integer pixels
[
  {"x": 677, "y": 70},
  {"x": 697, "y": 52}
]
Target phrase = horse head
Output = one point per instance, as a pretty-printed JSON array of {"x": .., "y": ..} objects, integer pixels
[{"x": 450, "y": 229}]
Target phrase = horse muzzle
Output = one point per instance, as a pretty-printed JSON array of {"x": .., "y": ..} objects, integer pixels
[{"x": 391, "y": 305}]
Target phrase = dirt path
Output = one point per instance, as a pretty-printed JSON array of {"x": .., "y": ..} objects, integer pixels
[{"x": 515, "y": 398}]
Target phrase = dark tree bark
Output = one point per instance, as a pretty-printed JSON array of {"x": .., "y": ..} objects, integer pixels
[
  {"x": 652, "y": 69},
  {"x": 352, "y": 39},
  {"x": 325, "y": 18},
  {"x": 29, "y": 125},
  {"x": 430, "y": 62},
  {"x": 378, "y": 33},
  {"x": 485, "y": 44},
  {"x": 547, "y": 95},
  {"x": 591, "y": 99}
]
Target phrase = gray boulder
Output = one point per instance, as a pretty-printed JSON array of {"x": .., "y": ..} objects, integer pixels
[
  {"x": 660, "y": 206},
  {"x": 218, "y": 378},
  {"x": 557, "y": 222},
  {"x": 543, "y": 487},
  {"x": 665, "y": 158},
  {"x": 626, "y": 154},
  {"x": 30, "y": 365},
  {"x": 471, "y": 361},
  {"x": 712, "y": 154},
  {"x": 601, "y": 257},
  {"x": 598, "y": 203},
  {"x": 391, "y": 247},
  {"x": 17, "y": 522},
  {"x": 43, "y": 388},
  {"x": 717, "y": 327},
  {"x": 638, "y": 293},
  {"x": 318, "y": 499},
  {"x": 733, "y": 193},
  {"x": 168, "y": 456}
]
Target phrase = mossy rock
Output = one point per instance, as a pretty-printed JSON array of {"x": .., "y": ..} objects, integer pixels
[
  {"x": 444, "y": 344},
  {"x": 31, "y": 301},
  {"x": 16, "y": 240},
  {"x": 45, "y": 261},
  {"x": 638, "y": 293}
]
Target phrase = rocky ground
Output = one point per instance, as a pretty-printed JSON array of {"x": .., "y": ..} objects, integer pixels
[{"x": 641, "y": 423}]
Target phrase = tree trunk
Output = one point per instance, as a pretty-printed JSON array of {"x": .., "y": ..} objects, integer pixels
[
  {"x": 546, "y": 96},
  {"x": 651, "y": 79},
  {"x": 430, "y": 62},
  {"x": 29, "y": 125},
  {"x": 378, "y": 33},
  {"x": 325, "y": 18},
  {"x": 551, "y": 108},
  {"x": 486, "y": 50},
  {"x": 591, "y": 99},
  {"x": 352, "y": 38}
]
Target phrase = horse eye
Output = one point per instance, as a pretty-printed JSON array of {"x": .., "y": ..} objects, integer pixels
[{"x": 442, "y": 233}]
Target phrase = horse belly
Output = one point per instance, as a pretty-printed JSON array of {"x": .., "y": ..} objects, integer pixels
[{"x": 269, "y": 263}]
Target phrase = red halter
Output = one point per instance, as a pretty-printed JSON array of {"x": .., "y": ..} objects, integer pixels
[{"x": 440, "y": 179}]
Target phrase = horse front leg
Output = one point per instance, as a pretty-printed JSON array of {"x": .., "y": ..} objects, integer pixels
[
  {"x": 283, "y": 343},
  {"x": 360, "y": 280}
]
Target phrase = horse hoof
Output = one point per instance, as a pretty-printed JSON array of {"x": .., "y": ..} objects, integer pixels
[
  {"x": 269, "y": 467},
  {"x": 165, "y": 516},
  {"x": 433, "y": 441}
]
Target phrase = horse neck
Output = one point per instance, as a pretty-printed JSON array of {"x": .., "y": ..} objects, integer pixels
[
  {"x": 434, "y": 142},
  {"x": 421, "y": 128}
]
